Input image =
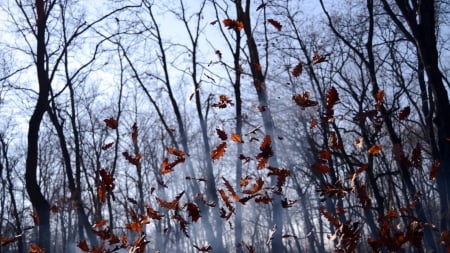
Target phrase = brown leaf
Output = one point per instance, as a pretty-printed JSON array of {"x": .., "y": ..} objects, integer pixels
[
  {"x": 219, "y": 54},
  {"x": 134, "y": 132},
  {"x": 321, "y": 167},
  {"x": 176, "y": 152},
  {"x": 234, "y": 196},
  {"x": 135, "y": 160},
  {"x": 375, "y": 149},
  {"x": 207, "y": 248},
  {"x": 83, "y": 245},
  {"x": 107, "y": 146},
  {"x": 313, "y": 124},
  {"x": 7, "y": 240},
  {"x": 35, "y": 217},
  {"x": 434, "y": 169},
  {"x": 224, "y": 101},
  {"x": 324, "y": 155},
  {"x": 218, "y": 152},
  {"x": 257, "y": 186},
  {"x": 193, "y": 211},
  {"x": 317, "y": 58},
  {"x": 303, "y": 100},
  {"x": 275, "y": 24},
  {"x": 288, "y": 203},
  {"x": 233, "y": 24},
  {"x": 111, "y": 123},
  {"x": 222, "y": 135},
  {"x": 173, "y": 205},
  {"x": 404, "y": 113},
  {"x": 332, "y": 98},
  {"x": 297, "y": 70}
]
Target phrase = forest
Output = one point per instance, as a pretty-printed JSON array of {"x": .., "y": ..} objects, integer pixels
[{"x": 224, "y": 126}]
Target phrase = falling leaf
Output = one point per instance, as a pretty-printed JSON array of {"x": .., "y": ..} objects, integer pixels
[
  {"x": 416, "y": 157},
  {"x": 324, "y": 155},
  {"x": 233, "y": 24},
  {"x": 379, "y": 96},
  {"x": 219, "y": 54},
  {"x": 266, "y": 152},
  {"x": 234, "y": 196},
  {"x": 135, "y": 160},
  {"x": 297, "y": 70},
  {"x": 317, "y": 58},
  {"x": 321, "y": 167},
  {"x": 207, "y": 248},
  {"x": 275, "y": 24},
  {"x": 35, "y": 217},
  {"x": 375, "y": 149},
  {"x": 404, "y": 113},
  {"x": 7, "y": 240},
  {"x": 111, "y": 123},
  {"x": 173, "y": 205},
  {"x": 218, "y": 152},
  {"x": 107, "y": 146},
  {"x": 176, "y": 152},
  {"x": 313, "y": 123},
  {"x": 257, "y": 186},
  {"x": 193, "y": 211},
  {"x": 236, "y": 138},
  {"x": 83, "y": 246},
  {"x": 434, "y": 169},
  {"x": 288, "y": 203},
  {"x": 99, "y": 223},
  {"x": 222, "y": 135},
  {"x": 332, "y": 98},
  {"x": 303, "y": 100},
  {"x": 224, "y": 101},
  {"x": 214, "y": 22},
  {"x": 36, "y": 249},
  {"x": 134, "y": 132}
]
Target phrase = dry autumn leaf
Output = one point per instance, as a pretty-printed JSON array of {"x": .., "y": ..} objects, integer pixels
[
  {"x": 275, "y": 24},
  {"x": 236, "y": 138},
  {"x": 218, "y": 152},
  {"x": 404, "y": 113},
  {"x": 111, "y": 123},
  {"x": 434, "y": 170},
  {"x": 297, "y": 70},
  {"x": 233, "y": 24},
  {"x": 375, "y": 149}
]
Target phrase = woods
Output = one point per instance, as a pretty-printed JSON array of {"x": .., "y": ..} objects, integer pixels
[{"x": 224, "y": 126}]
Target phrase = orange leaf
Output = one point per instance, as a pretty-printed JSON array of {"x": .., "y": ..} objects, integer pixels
[
  {"x": 379, "y": 96},
  {"x": 297, "y": 70},
  {"x": 233, "y": 24},
  {"x": 83, "y": 246},
  {"x": 257, "y": 186},
  {"x": 236, "y": 137},
  {"x": 99, "y": 223},
  {"x": 275, "y": 23},
  {"x": 175, "y": 151},
  {"x": 230, "y": 189},
  {"x": 7, "y": 240},
  {"x": 218, "y": 152},
  {"x": 135, "y": 226},
  {"x": 111, "y": 123},
  {"x": 36, "y": 249},
  {"x": 313, "y": 123},
  {"x": 375, "y": 149},
  {"x": 170, "y": 205}
]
